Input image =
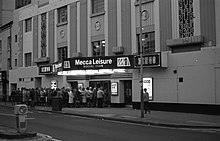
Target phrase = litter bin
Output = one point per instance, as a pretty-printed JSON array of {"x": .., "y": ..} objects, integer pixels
[{"x": 56, "y": 104}]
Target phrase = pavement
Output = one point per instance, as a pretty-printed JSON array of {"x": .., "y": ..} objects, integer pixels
[{"x": 130, "y": 115}]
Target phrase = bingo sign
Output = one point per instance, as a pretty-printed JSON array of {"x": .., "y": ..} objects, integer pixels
[
  {"x": 148, "y": 84},
  {"x": 114, "y": 88},
  {"x": 53, "y": 84}
]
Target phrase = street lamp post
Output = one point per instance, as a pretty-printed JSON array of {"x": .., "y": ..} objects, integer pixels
[{"x": 141, "y": 58}]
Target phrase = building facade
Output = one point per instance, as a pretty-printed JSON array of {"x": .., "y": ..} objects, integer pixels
[
  {"x": 6, "y": 21},
  {"x": 180, "y": 41}
]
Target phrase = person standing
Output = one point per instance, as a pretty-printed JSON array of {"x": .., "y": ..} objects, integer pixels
[
  {"x": 83, "y": 94},
  {"x": 89, "y": 96},
  {"x": 70, "y": 102},
  {"x": 146, "y": 101},
  {"x": 94, "y": 97},
  {"x": 100, "y": 96}
]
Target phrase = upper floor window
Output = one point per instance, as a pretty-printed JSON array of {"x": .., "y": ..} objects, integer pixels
[
  {"x": 62, "y": 14},
  {"x": 148, "y": 42},
  {"x": 98, "y": 48},
  {"x": 9, "y": 63},
  {"x": 16, "y": 38},
  {"x": 28, "y": 25},
  {"x": 9, "y": 43},
  {"x": 62, "y": 53},
  {"x": 27, "y": 59},
  {"x": 97, "y": 6},
  {"x": 186, "y": 18},
  {"x": 21, "y": 3},
  {"x": 16, "y": 62},
  {"x": 43, "y": 35}
]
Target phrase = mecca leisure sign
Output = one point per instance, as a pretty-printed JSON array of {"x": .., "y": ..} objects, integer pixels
[{"x": 104, "y": 62}]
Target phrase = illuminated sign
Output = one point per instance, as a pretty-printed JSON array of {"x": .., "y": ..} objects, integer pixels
[
  {"x": 150, "y": 60},
  {"x": 45, "y": 69},
  {"x": 50, "y": 68},
  {"x": 104, "y": 62},
  {"x": 123, "y": 62},
  {"x": 109, "y": 63},
  {"x": 57, "y": 66},
  {"x": 3, "y": 76},
  {"x": 114, "y": 88},
  {"x": 53, "y": 84},
  {"x": 148, "y": 84}
]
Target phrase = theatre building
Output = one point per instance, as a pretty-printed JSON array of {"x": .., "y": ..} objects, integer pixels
[{"x": 82, "y": 43}]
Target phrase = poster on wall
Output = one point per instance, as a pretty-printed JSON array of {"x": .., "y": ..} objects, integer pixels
[
  {"x": 114, "y": 88},
  {"x": 80, "y": 86},
  {"x": 53, "y": 84},
  {"x": 148, "y": 84}
]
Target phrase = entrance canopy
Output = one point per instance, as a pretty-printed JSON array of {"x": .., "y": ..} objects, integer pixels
[
  {"x": 103, "y": 64},
  {"x": 92, "y": 72},
  {"x": 89, "y": 65}
]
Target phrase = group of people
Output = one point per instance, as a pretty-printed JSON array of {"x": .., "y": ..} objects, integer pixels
[
  {"x": 88, "y": 97},
  {"x": 76, "y": 97},
  {"x": 31, "y": 96}
]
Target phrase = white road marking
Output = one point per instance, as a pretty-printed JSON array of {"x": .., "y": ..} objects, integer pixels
[
  {"x": 40, "y": 112},
  {"x": 44, "y": 136},
  {"x": 200, "y": 122},
  {"x": 11, "y": 115},
  {"x": 30, "y": 118}
]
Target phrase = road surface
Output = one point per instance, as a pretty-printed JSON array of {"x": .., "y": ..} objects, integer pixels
[{"x": 72, "y": 128}]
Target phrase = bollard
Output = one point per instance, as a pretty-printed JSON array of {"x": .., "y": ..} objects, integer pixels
[{"x": 21, "y": 111}]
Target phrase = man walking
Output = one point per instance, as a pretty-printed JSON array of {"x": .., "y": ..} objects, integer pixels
[{"x": 146, "y": 101}]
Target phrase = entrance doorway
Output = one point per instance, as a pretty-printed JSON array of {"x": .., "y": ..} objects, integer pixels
[
  {"x": 74, "y": 85},
  {"x": 106, "y": 89},
  {"x": 38, "y": 82},
  {"x": 98, "y": 84},
  {"x": 13, "y": 86},
  {"x": 128, "y": 92}
]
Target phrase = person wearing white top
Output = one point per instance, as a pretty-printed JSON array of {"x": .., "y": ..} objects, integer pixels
[{"x": 70, "y": 102}]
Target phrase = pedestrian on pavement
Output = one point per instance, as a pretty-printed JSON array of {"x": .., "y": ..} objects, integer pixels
[
  {"x": 83, "y": 94},
  {"x": 78, "y": 98},
  {"x": 146, "y": 101},
  {"x": 94, "y": 97},
  {"x": 13, "y": 95},
  {"x": 88, "y": 97},
  {"x": 70, "y": 101},
  {"x": 100, "y": 96}
]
